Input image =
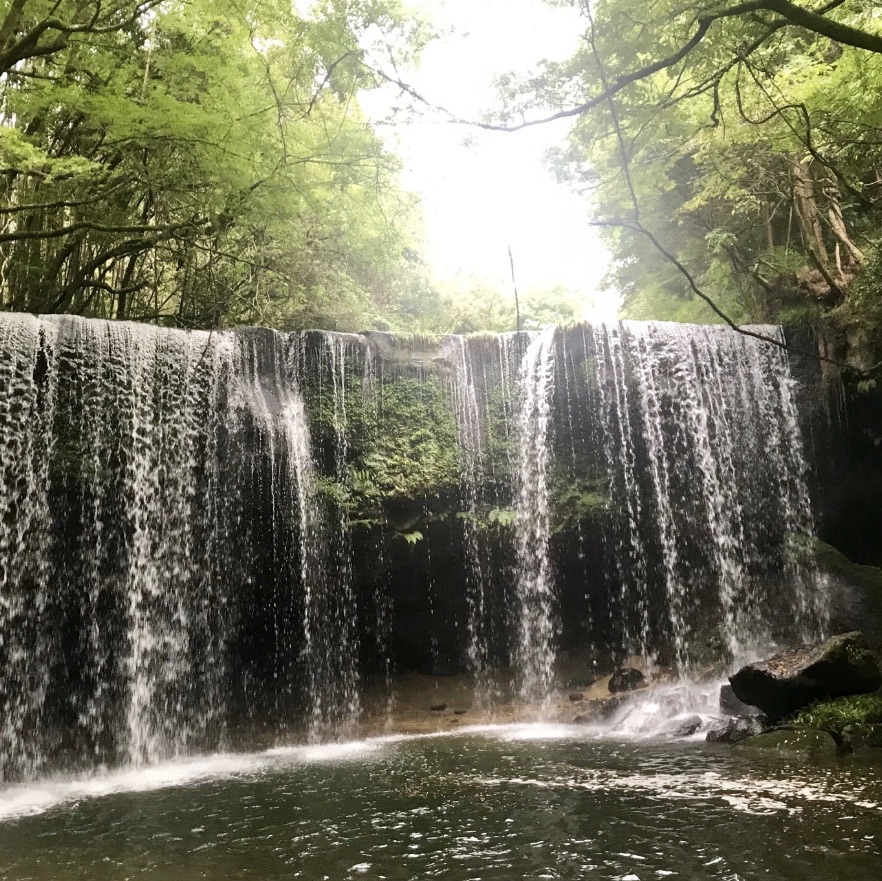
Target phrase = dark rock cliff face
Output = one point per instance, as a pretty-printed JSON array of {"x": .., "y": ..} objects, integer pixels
[
  {"x": 842, "y": 414},
  {"x": 846, "y": 431},
  {"x": 850, "y": 496}
]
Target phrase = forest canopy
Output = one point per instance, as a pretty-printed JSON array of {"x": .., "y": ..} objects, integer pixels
[
  {"x": 731, "y": 149},
  {"x": 207, "y": 163},
  {"x": 199, "y": 162}
]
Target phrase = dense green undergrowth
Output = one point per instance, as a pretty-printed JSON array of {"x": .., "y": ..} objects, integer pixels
[{"x": 846, "y": 715}]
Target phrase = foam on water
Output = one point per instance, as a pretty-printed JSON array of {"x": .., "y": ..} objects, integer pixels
[
  {"x": 37, "y": 798},
  {"x": 537, "y": 731},
  {"x": 659, "y": 711},
  {"x": 746, "y": 794}
]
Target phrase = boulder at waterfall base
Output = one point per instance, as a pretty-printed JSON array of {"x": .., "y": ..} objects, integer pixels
[
  {"x": 791, "y": 680},
  {"x": 735, "y": 729},
  {"x": 685, "y": 727},
  {"x": 731, "y": 706},
  {"x": 626, "y": 679},
  {"x": 600, "y": 710}
]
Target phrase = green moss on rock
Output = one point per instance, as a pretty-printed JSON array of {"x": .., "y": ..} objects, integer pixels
[{"x": 805, "y": 741}]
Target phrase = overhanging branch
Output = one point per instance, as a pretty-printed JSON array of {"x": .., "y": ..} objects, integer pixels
[
  {"x": 790, "y": 14},
  {"x": 636, "y": 225}
]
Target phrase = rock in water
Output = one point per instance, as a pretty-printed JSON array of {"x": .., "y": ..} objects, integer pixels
[
  {"x": 735, "y": 730},
  {"x": 793, "y": 679},
  {"x": 868, "y": 736},
  {"x": 686, "y": 727},
  {"x": 601, "y": 710},
  {"x": 809, "y": 741},
  {"x": 731, "y": 706},
  {"x": 626, "y": 679}
]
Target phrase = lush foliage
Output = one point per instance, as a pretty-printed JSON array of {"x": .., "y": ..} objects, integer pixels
[
  {"x": 401, "y": 446},
  {"x": 470, "y": 305},
  {"x": 742, "y": 137},
  {"x": 206, "y": 163},
  {"x": 577, "y": 500},
  {"x": 199, "y": 162},
  {"x": 389, "y": 447},
  {"x": 845, "y": 715}
]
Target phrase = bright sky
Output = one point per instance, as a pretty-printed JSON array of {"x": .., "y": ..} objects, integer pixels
[{"x": 482, "y": 191}]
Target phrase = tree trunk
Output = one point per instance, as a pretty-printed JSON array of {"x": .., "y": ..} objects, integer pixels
[
  {"x": 837, "y": 224},
  {"x": 808, "y": 214}
]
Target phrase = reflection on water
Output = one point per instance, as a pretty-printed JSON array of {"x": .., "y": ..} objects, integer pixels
[{"x": 497, "y": 804}]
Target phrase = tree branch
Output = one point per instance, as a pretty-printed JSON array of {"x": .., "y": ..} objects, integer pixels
[
  {"x": 27, "y": 45},
  {"x": 819, "y": 24},
  {"x": 814, "y": 21},
  {"x": 636, "y": 225},
  {"x": 62, "y": 231}
]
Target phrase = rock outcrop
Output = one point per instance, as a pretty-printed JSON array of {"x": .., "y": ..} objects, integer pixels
[
  {"x": 731, "y": 706},
  {"x": 686, "y": 726},
  {"x": 790, "y": 680},
  {"x": 600, "y": 710}
]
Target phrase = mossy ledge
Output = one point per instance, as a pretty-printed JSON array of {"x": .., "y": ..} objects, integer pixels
[{"x": 853, "y": 722}]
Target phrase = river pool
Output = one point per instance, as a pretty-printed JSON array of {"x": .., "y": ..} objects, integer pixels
[{"x": 497, "y": 803}]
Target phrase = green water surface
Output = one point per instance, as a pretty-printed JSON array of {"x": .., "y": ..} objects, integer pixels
[{"x": 497, "y": 805}]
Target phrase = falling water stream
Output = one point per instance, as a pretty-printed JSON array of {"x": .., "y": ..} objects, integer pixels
[
  {"x": 712, "y": 415},
  {"x": 220, "y": 553},
  {"x": 534, "y": 651},
  {"x": 204, "y": 540},
  {"x": 470, "y": 428}
]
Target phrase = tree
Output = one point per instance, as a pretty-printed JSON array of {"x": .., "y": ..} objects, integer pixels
[
  {"x": 32, "y": 29},
  {"x": 199, "y": 162},
  {"x": 731, "y": 148}
]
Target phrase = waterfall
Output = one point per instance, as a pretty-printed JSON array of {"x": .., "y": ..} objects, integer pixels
[
  {"x": 26, "y": 445},
  {"x": 169, "y": 380},
  {"x": 339, "y": 706},
  {"x": 150, "y": 451},
  {"x": 207, "y": 538},
  {"x": 534, "y": 650},
  {"x": 470, "y": 430},
  {"x": 275, "y": 400},
  {"x": 711, "y": 417},
  {"x": 629, "y": 557}
]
